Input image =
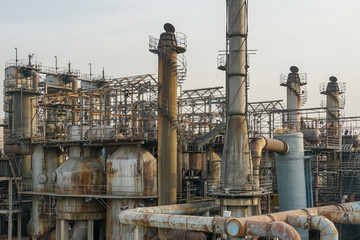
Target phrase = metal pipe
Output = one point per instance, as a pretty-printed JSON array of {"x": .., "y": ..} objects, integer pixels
[
  {"x": 341, "y": 217},
  {"x": 234, "y": 227},
  {"x": 257, "y": 146},
  {"x": 185, "y": 222},
  {"x": 327, "y": 229},
  {"x": 181, "y": 209},
  {"x": 271, "y": 229}
]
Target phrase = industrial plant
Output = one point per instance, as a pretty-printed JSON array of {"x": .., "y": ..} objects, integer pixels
[{"x": 89, "y": 156}]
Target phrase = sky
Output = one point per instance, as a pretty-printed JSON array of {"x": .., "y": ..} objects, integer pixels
[{"x": 320, "y": 37}]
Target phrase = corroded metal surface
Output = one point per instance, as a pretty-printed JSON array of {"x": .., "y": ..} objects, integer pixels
[
  {"x": 235, "y": 167},
  {"x": 257, "y": 146},
  {"x": 185, "y": 235},
  {"x": 79, "y": 174},
  {"x": 196, "y": 162},
  {"x": 131, "y": 171},
  {"x": 327, "y": 229},
  {"x": 167, "y": 118},
  {"x": 271, "y": 229}
]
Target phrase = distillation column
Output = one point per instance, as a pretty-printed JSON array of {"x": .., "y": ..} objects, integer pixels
[
  {"x": 293, "y": 102},
  {"x": 167, "y": 51},
  {"x": 332, "y": 93}
]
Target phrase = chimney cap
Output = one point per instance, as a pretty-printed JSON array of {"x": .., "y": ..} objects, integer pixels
[
  {"x": 333, "y": 79},
  {"x": 294, "y": 69},
  {"x": 169, "y": 28}
]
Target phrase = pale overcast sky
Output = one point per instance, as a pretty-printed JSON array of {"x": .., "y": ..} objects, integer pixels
[{"x": 321, "y": 37}]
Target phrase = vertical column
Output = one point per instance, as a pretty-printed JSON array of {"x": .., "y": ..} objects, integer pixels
[
  {"x": 235, "y": 167},
  {"x": 19, "y": 226},
  {"x": 10, "y": 221},
  {"x": 90, "y": 229},
  {"x": 62, "y": 230}
]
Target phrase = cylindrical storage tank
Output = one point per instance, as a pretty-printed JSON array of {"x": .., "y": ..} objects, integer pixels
[
  {"x": 44, "y": 163},
  {"x": 131, "y": 172},
  {"x": 312, "y": 136},
  {"x": 214, "y": 168},
  {"x": 22, "y": 111},
  {"x": 196, "y": 163},
  {"x": 81, "y": 174},
  {"x": 291, "y": 175}
]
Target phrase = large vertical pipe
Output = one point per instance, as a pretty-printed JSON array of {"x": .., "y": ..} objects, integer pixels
[
  {"x": 235, "y": 168},
  {"x": 167, "y": 117},
  {"x": 291, "y": 175}
]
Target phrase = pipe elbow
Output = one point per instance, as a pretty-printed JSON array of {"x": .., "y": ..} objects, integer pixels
[
  {"x": 327, "y": 229},
  {"x": 257, "y": 145},
  {"x": 271, "y": 229}
]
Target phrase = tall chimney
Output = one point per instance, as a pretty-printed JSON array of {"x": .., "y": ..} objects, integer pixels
[
  {"x": 235, "y": 167},
  {"x": 167, "y": 51}
]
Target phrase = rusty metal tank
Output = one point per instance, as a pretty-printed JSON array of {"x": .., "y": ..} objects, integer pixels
[
  {"x": 44, "y": 163},
  {"x": 214, "y": 161},
  {"x": 186, "y": 164},
  {"x": 81, "y": 174},
  {"x": 197, "y": 163},
  {"x": 131, "y": 173}
]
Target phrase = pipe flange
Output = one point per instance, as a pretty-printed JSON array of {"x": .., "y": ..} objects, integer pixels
[{"x": 233, "y": 227}]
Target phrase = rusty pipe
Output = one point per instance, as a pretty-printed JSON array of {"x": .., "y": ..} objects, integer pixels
[
  {"x": 271, "y": 229},
  {"x": 185, "y": 222},
  {"x": 327, "y": 229},
  {"x": 181, "y": 209},
  {"x": 341, "y": 217},
  {"x": 257, "y": 145},
  {"x": 185, "y": 235},
  {"x": 233, "y": 227}
]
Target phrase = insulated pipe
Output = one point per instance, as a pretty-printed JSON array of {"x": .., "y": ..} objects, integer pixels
[
  {"x": 181, "y": 209},
  {"x": 341, "y": 217},
  {"x": 234, "y": 227},
  {"x": 185, "y": 222},
  {"x": 257, "y": 145},
  {"x": 327, "y": 229},
  {"x": 271, "y": 229}
]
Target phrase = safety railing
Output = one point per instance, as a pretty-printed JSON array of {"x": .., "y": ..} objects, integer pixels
[{"x": 89, "y": 190}]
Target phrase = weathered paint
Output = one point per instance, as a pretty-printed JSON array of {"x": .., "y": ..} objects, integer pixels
[
  {"x": 196, "y": 162},
  {"x": 132, "y": 172},
  {"x": 167, "y": 118},
  {"x": 271, "y": 229},
  {"x": 185, "y": 235},
  {"x": 327, "y": 229},
  {"x": 236, "y": 167}
]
